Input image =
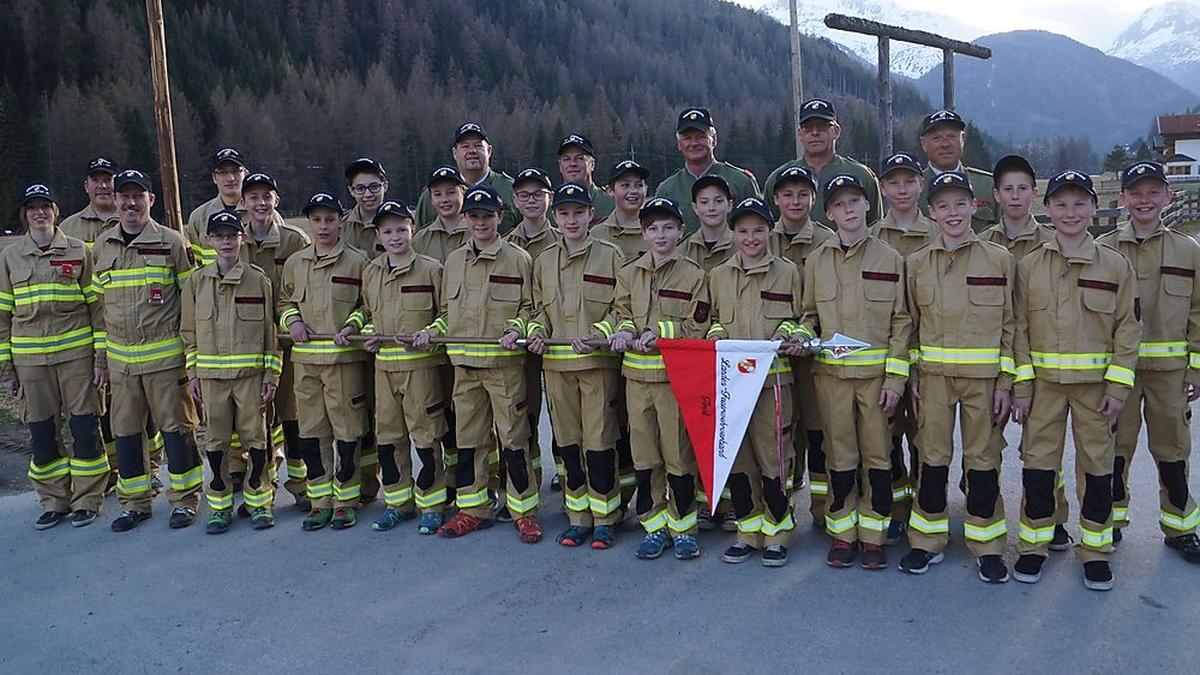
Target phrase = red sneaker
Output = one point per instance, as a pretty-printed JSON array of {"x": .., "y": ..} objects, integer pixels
[
  {"x": 842, "y": 553},
  {"x": 874, "y": 557},
  {"x": 530, "y": 529},
  {"x": 462, "y": 524}
]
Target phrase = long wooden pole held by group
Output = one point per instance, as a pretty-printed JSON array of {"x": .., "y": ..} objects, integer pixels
[{"x": 163, "y": 121}]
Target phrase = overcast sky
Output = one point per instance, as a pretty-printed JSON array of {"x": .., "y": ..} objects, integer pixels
[{"x": 1093, "y": 22}]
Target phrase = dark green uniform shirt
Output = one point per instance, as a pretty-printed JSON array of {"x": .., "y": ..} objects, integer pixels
[
  {"x": 678, "y": 186},
  {"x": 840, "y": 164},
  {"x": 601, "y": 202}
]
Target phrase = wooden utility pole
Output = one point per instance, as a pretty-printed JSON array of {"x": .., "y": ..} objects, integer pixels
[
  {"x": 163, "y": 121},
  {"x": 797, "y": 78},
  {"x": 886, "y": 34}
]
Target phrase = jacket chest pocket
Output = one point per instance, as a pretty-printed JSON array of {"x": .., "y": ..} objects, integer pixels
[
  {"x": 250, "y": 308},
  {"x": 504, "y": 288},
  {"x": 1100, "y": 301},
  {"x": 20, "y": 276},
  {"x": 417, "y": 297},
  {"x": 345, "y": 289},
  {"x": 777, "y": 304},
  {"x": 1177, "y": 281},
  {"x": 599, "y": 288}
]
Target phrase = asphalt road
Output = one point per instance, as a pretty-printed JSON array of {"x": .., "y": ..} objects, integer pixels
[{"x": 157, "y": 600}]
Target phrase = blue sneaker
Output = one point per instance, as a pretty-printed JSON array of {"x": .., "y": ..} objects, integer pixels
[
  {"x": 686, "y": 547},
  {"x": 390, "y": 519},
  {"x": 653, "y": 545},
  {"x": 430, "y": 522}
]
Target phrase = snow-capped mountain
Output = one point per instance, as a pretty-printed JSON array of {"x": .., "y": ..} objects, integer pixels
[
  {"x": 907, "y": 59},
  {"x": 1166, "y": 39}
]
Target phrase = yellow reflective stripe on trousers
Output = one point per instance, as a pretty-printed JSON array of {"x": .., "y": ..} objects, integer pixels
[
  {"x": 83, "y": 468},
  {"x": 369, "y": 458},
  {"x": 32, "y": 294},
  {"x": 186, "y": 480},
  {"x": 928, "y": 526},
  {"x": 771, "y": 529},
  {"x": 318, "y": 490},
  {"x": 577, "y": 504},
  {"x": 346, "y": 493},
  {"x": 600, "y": 507},
  {"x": 1162, "y": 350},
  {"x": 432, "y": 499},
  {"x": 1120, "y": 514},
  {"x": 1096, "y": 538},
  {"x": 219, "y": 502},
  {"x": 750, "y": 525},
  {"x": 133, "y": 486},
  {"x": 1193, "y": 360},
  {"x": 466, "y": 500},
  {"x": 56, "y": 469},
  {"x": 1036, "y": 535},
  {"x": 872, "y": 523},
  {"x": 866, "y": 357},
  {"x": 51, "y": 344},
  {"x": 398, "y": 497},
  {"x": 567, "y": 353},
  {"x": 960, "y": 356},
  {"x": 843, "y": 524},
  {"x": 258, "y": 500},
  {"x": 680, "y": 525},
  {"x": 1184, "y": 524},
  {"x": 522, "y": 506},
  {"x": 656, "y": 522},
  {"x": 818, "y": 487},
  {"x": 145, "y": 353},
  {"x": 986, "y": 533}
]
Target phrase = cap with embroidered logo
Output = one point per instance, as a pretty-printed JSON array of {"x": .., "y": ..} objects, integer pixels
[
  {"x": 576, "y": 140},
  {"x": 1070, "y": 179},
  {"x": 838, "y": 183},
  {"x": 817, "y": 109},
  {"x": 940, "y": 117},
  {"x": 533, "y": 175},
  {"x": 794, "y": 174},
  {"x": 227, "y": 155},
  {"x": 710, "y": 180},
  {"x": 393, "y": 208},
  {"x": 660, "y": 206},
  {"x": 323, "y": 200},
  {"x": 947, "y": 181},
  {"x": 102, "y": 165},
  {"x": 38, "y": 191},
  {"x": 132, "y": 177},
  {"x": 259, "y": 178},
  {"x": 1139, "y": 171},
  {"x": 751, "y": 206},
  {"x": 900, "y": 161},
  {"x": 694, "y": 118},
  {"x": 447, "y": 174},
  {"x": 365, "y": 165},
  {"x": 224, "y": 218},
  {"x": 628, "y": 166},
  {"x": 468, "y": 129},
  {"x": 482, "y": 198},
  {"x": 572, "y": 193}
]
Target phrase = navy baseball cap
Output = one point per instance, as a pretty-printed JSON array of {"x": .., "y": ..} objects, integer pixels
[
  {"x": 445, "y": 173},
  {"x": 259, "y": 178},
  {"x": 947, "y": 181},
  {"x": 900, "y": 161},
  {"x": 133, "y": 176},
  {"x": 1067, "y": 179},
  {"x": 751, "y": 206},
  {"x": 227, "y": 155},
  {"x": 572, "y": 193},
  {"x": 694, "y": 118},
  {"x": 628, "y": 166},
  {"x": 841, "y": 182},
  {"x": 365, "y": 165},
  {"x": 578, "y": 140},
  {"x": 817, "y": 109},
  {"x": 38, "y": 191},
  {"x": 392, "y": 207},
  {"x": 660, "y": 206},
  {"x": 102, "y": 165},
  {"x": 1139, "y": 171},
  {"x": 939, "y": 117},
  {"x": 794, "y": 174},
  {"x": 1009, "y": 163},
  {"x": 467, "y": 129},
  {"x": 533, "y": 175},
  {"x": 323, "y": 200},
  {"x": 709, "y": 180},
  {"x": 224, "y": 218},
  {"x": 482, "y": 198}
]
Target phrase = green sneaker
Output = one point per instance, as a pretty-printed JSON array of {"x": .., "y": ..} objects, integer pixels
[
  {"x": 345, "y": 518},
  {"x": 316, "y": 519},
  {"x": 262, "y": 518},
  {"x": 219, "y": 522}
]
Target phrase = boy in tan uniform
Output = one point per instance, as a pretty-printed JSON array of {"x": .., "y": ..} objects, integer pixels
[
  {"x": 1018, "y": 231},
  {"x": 141, "y": 269},
  {"x": 233, "y": 366},
  {"x": 907, "y": 230},
  {"x": 962, "y": 312},
  {"x": 448, "y": 230},
  {"x": 269, "y": 242},
  {"x": 228, "y": 172},
  {"x": 367, "y": 183},
  {"x": 659, "y": 294},
  {"x": 795, "y": 237},
  {"x": 401, "y": 294},
  {"x": 627, "y": 187},
  {"x": 1076, "y": 346},
  {"x": 1168, "y": 367},
  {"x": 853, "y": 285},
  {"x": 52, "y": 360},
  {"x": 320, "y": 294},
  {"x": 486, "y": 290},
  {"x": 574, "y": 282},
  {"x": 756, "y": 296}
]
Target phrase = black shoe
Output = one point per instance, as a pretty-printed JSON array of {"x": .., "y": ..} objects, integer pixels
[
  {"x": 503, "y": 515},
  {"x": 1028, "y": 569},
  {"x": 842, "y": 553},
  {"x": 992, "y": 569},
  {"x": 129, "y": 520},
  {"x": 555, "y": 484},
  {"x": 156, "y": 485},
  {"x": 181, "y": 517},
  {"x": 83, "y": 517},
  {"x": 917, "y": 561},
  {"x": 1188, "y": 546},
  {"x": 49, "y": 519},
  {"x": 774, "y": 556},
  {"x": 1097, "y": 575},
  {"x": 1062, "y": 539},
  {"x": 303, "y": 503},
  {"x": 238, "y": 479},
  {"x": 738, "y": 553},
  {"x": 1116, "y": 536}
]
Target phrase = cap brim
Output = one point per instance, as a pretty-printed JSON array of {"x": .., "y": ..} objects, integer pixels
[
  {"x": 833, "y": 193},
  {"x": 309, "y": 208},
  {"x": 640, "y": 172},
  {"x": 570, "y": 200},
  {"x": 48, "y": 198},
  {"x": 471, "y": 132},
  {"x": 1013, "y": 163},
  {"x": 934, "y": 190},
  {"x": 828, "y": 117},
  {"x": 102, "y": 169},
  {"x": 250, "y": 184},
  {"x": 581, "y": 146},
  {"x": 1147, "y": 176},
  {"x": 224, "y": 226},
  {"x": 688, "y": 126},
  {"x": 892, "y": 168},
  {"x": 482, "y": 207},
  {"x": 957, "y": 124},
  {"x": 365, "y": 167},
  {"x": 745, "y": 213},
  {"x": 122, "y": 184},
  {"x": 231, "y": 160}
]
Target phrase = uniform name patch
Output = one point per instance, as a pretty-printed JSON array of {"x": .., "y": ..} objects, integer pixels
[
  {"x": 670, "y": 293},
  {"x": 146, "y": 250},
  {"x": 1179, "y": 271},
  {"x": 987, "y": 281},
  {"x": 503, "y": 279},
  {"x": 1099, "y": 285},
  {"x": 780, "y": 297},
  {"x": 416, "y": 289},
  {"x": 66, "y": 262},
  {"x": 881, "y": 276},
  {"x": 596, "y": 279},
  {"x": 248, "y": 300},
  {"x": 347, "y": 280}
]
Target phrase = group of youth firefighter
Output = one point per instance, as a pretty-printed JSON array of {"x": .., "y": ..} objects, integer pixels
[{"x": 330, "y": 353}]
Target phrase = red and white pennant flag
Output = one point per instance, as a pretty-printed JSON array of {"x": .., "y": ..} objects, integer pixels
[{"x": 717, "y": 384}]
